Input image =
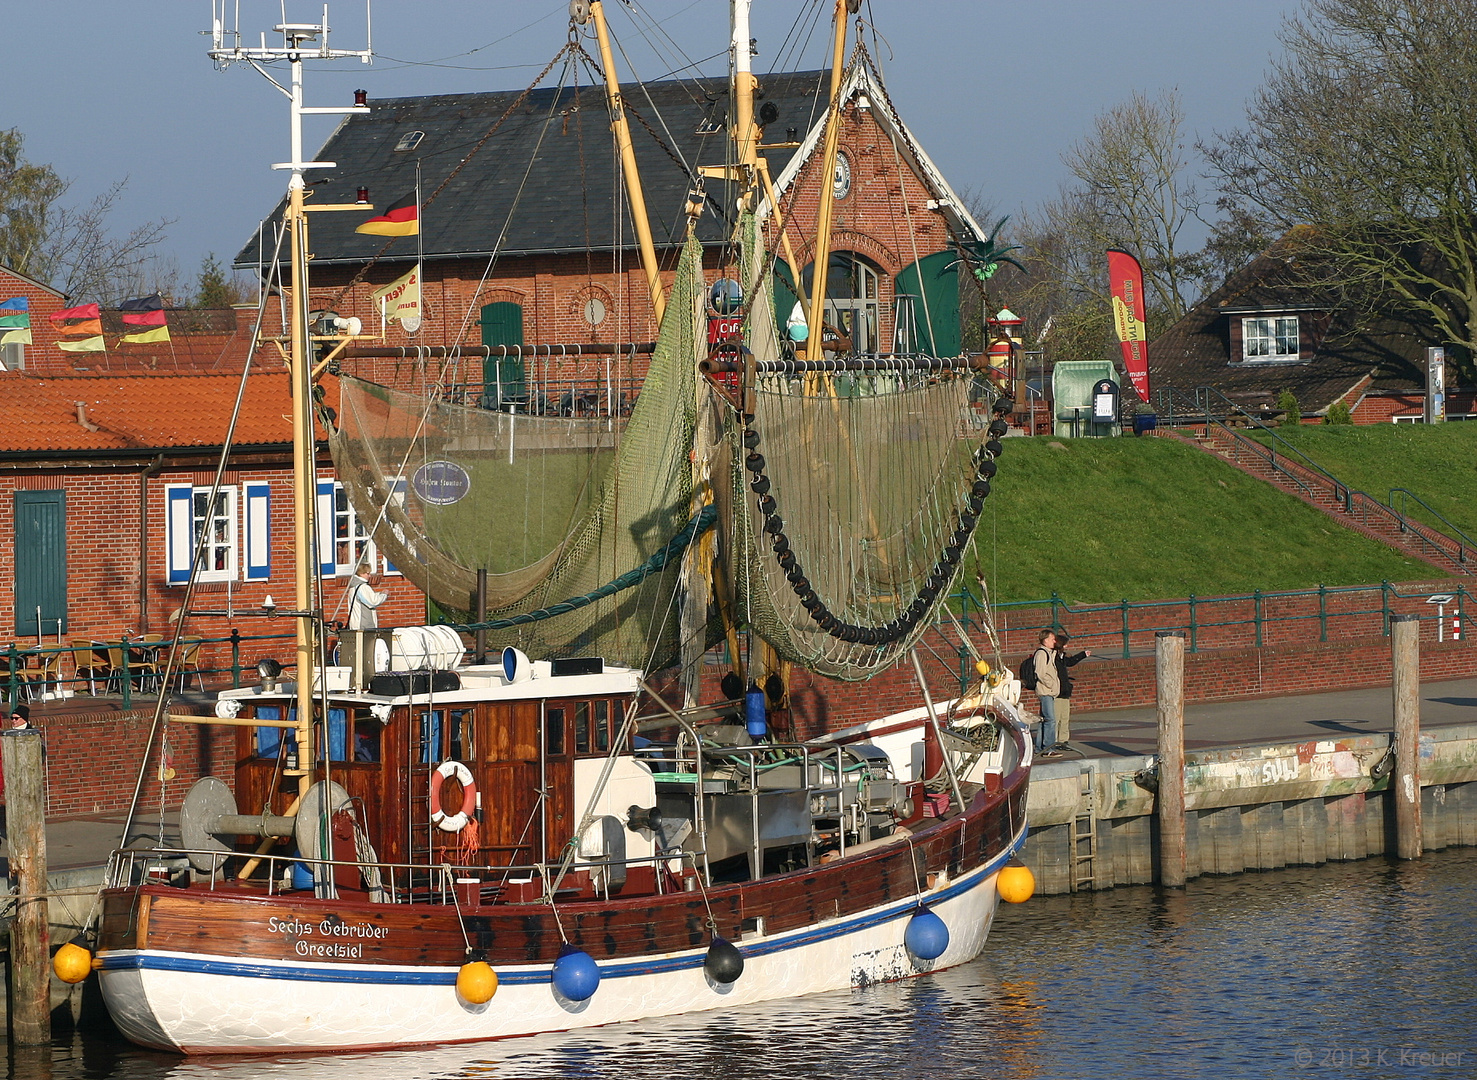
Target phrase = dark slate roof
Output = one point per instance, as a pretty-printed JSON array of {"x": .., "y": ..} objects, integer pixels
[
  {"x": 553, "y": 156},
  {"x": 1350, "y": 350}
]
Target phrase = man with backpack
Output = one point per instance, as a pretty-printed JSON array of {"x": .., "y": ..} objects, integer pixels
[{"x": 1039, "y": 673}]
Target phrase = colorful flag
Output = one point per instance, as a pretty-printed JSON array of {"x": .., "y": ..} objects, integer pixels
[
  {"x": 85, "y": 311},
  {"x": 401, "y": 298},
  {"x": 15, "y": 337},
  {"x": 144, "y": 311},
  {"x": 144, "y": 337},
  {"x": 1126, "y": 284},
  {"x": 401, "y": 219},
  {"x": 87, "y": 344},
  {"x": 15, "y": 313}
]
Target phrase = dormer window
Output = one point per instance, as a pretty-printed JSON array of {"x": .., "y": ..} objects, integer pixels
[
  {"x": 1270, "y": 339},
  {"x": 409, "y": 141}
]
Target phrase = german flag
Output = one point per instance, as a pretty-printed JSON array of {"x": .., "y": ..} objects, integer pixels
[
  {"x": 144, "y": 311},
  {"x": 401, "y": 219}
]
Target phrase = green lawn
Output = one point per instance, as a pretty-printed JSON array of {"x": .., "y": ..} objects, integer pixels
[
  {"x": 1436, "y": 462},
  {"x": 1101, "y": 520}
]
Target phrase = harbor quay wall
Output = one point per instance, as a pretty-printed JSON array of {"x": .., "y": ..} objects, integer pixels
[{"x": 1093, "y": 822}]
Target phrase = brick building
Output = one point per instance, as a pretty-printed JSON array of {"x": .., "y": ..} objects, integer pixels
[
  {"x": 104, "y": 483},
  {"x": 525, "y": 237},
  {"x": 1268, "y": 329}
]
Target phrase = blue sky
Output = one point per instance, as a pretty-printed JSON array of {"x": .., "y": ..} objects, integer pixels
[{"x": 995, "y": 90}]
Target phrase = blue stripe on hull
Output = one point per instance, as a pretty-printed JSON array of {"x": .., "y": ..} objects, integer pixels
[{"x": 519, "y": 976}]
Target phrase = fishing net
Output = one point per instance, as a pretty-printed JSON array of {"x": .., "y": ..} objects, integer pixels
[
  {"x": 551, "y": 507},
  {"x": 872, "y": 480}
]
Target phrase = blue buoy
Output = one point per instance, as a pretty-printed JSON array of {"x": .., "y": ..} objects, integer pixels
[
  {"x": 302, "y": 877},
  {"x": 754, "y": 719},
  {"x": 576, "y": 975},
  {"x": 927, "y": 936}
]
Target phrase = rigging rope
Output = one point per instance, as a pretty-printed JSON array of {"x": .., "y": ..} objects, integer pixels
[{"x": 675, "y": 546}]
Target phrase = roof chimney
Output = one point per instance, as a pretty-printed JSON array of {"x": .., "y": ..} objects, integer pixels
[{"x": 82, "y": 417}]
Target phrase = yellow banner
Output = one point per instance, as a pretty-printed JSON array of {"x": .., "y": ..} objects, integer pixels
[
  {"x": 15, "y": 337},
  {"x": 160, "y": 333},
  {"x": 402, "y": 297},
  {"x": 92, "y": 344}
]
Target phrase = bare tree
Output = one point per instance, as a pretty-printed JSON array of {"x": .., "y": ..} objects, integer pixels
[
  {"x": 1363, "y": 131},
  {"x": 70, "y": 248},
  {"x": 1132, "y": 189}
]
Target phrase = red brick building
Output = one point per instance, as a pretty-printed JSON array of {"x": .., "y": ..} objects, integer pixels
[
  {"x": 104, "y": 484},
  {"x": 525, "y": 237}
]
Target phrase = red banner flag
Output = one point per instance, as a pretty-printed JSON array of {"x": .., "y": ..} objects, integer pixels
[
  {"x": 1126, "y": 283},
  {"x": 143, "y": 318},
  {"x": 86, "y": 311}
]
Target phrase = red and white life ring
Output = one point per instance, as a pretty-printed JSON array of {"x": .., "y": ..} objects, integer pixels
[{"x": 458, "y": 821}]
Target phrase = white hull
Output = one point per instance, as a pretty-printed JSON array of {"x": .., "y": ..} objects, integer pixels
[{"x": 198, "y": 1003}]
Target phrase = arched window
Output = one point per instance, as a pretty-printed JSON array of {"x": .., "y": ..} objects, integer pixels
[{"x": 852, "y": 285}]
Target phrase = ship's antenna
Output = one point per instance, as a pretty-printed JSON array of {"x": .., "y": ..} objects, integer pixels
[{"x": 299, "y": 41}]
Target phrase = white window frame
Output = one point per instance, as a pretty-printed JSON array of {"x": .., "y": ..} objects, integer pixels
[
  {"x": 182, "y": 502},
  {"x": 331, "y": 516},
  {"x": 1271, "y": 331}
]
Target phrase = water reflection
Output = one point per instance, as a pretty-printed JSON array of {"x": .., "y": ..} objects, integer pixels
[{"x": 1231, "y": 977}]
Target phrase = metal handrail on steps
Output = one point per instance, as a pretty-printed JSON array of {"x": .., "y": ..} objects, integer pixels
[
  {"x": 1348, "y": 498},
  {"x": 1449, "y": 529}
]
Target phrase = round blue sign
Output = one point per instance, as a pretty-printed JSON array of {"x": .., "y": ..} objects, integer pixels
[{"x": 441, "y": 483}]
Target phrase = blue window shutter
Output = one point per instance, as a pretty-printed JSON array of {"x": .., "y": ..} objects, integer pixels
[
  {"x": 268, "y": 739},
  {"x": 180, "y": 529},
  {"x": 327, "y": 559},
  {"x": 258, "y": 531}
]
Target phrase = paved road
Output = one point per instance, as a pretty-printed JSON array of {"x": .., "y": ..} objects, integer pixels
[{"x": 1110, "y": 732}]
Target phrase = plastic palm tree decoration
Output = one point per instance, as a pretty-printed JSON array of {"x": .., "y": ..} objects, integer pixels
[{"x": 983, "y": 257}]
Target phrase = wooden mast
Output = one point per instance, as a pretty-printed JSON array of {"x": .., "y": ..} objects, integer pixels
[
  {"x": 822, "y": 261},
  {"x": 634, "y": 193}
]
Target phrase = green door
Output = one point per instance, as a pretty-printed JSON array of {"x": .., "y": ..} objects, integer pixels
[
  {"x": 933, "y": 286},
  {"x": 502, "y": 377},
  {"x": 40, "y": 562}
]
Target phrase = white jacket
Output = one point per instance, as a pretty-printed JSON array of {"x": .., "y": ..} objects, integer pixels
[{"x": 362, "y": 603}]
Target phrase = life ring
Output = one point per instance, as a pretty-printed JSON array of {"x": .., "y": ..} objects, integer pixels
[{"x": 458, "y": 821}]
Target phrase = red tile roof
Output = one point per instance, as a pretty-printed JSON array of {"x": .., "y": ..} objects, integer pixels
[{"x": 141, "y": 412}]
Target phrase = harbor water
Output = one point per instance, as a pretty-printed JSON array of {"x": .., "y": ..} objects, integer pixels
[{"x": 1361, "y": 969}]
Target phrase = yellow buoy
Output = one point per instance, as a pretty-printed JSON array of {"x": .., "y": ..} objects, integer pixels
[
  {"x": 1016, "y": 883},
  {"x": 72, "y": 963},
  {"x": 476, "y": 982},
  {"x": 982, "y": 668}
]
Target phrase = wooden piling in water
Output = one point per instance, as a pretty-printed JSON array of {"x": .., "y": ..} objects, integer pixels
[
  {"x": 1405, "y": 684},
  {"x": 30, "y": 953},
  {"x": 1169, "y": 675}
]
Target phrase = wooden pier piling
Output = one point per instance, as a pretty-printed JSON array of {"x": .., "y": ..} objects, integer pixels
[
  {"x": 1169, "y": 675},
  {"x": 1405, "y": 684},
  {"x": 30, "y": 953}
]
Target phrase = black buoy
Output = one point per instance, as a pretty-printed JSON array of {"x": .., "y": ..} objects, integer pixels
[{"x": 724, "y": 963}]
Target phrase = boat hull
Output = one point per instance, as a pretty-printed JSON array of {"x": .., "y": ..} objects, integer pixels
[{"x": 208, "y": 1003}]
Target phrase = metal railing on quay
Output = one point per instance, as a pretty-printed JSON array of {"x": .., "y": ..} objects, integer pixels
[
  {"x": 122, "y": 667},
  {"x": 1200, "y": 617}
]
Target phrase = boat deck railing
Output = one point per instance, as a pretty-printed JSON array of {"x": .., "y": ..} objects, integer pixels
[{"x": 385, "y": 882}]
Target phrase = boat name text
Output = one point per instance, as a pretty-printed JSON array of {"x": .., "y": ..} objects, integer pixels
[{"x": 326, "y": 928}]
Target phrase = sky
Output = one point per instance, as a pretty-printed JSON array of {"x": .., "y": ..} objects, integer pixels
[{"x": 994, "y": 90}]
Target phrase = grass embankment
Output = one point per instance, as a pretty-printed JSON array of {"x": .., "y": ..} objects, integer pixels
[
  {"x": 1102, "y": 520},
  {"x": 1437, "y": 463}
]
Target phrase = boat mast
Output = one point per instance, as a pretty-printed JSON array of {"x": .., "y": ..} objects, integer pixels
[
  {"x": 822, "y": 261},
  {"x": 622, "y": 130},
  {"x": 295, "y": 39}
]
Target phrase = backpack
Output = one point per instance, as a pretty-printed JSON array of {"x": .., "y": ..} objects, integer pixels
[{"x": 1028, "y": 672}]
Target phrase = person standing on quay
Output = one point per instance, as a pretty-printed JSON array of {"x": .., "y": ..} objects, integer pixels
[
  {"x": 1048, "y": 687},
  {"x": 1064, "y": 698}
]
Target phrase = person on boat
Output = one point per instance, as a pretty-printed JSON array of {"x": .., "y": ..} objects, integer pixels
[
  {"x": 1064, "y": 699},
  {"x": 1048, "y": 688},
  {"x": 363, "y": 599}
]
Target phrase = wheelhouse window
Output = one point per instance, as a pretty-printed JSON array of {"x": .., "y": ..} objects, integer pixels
[{"x": 1270, "y": 338}]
